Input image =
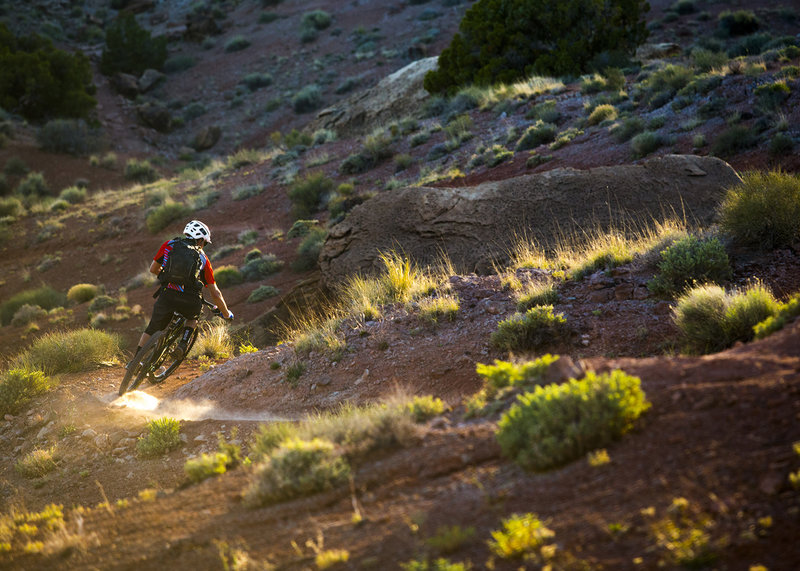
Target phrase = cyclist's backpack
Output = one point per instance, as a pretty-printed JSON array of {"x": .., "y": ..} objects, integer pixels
[{"x": 182, "y": 267}]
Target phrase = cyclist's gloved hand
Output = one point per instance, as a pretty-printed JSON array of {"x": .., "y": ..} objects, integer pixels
[{"x": 230, "y": 314}]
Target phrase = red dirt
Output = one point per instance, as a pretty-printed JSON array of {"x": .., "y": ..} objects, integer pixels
[{"x": 719, "y": 433}]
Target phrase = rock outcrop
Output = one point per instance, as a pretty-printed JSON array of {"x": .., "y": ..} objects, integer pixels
[
  {"x": 476, "y": 226},
  {"x": 396, "y": 96}
]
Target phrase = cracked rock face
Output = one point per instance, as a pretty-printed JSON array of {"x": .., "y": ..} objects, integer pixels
[{"x": 476, "y": 226}]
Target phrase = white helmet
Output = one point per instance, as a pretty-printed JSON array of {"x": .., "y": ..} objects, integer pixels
[{"x": 196, "y": 229}]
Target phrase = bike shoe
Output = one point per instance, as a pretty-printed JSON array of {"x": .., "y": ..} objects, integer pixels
[{"x": 179, "y": 351}]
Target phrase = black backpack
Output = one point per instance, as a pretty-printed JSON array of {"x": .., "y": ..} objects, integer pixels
[{"x": 182, "y": 267}]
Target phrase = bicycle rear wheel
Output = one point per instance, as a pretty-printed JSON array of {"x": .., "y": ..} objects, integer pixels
[
  {"x": 150, "y": 358},
  {"x": 170, "y": 361}
]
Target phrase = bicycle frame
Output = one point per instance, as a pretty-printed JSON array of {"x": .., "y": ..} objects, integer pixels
[{"x": 153, "y": 359}]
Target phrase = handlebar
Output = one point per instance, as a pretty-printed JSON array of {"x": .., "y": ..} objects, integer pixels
[{"x": 214, "y": 309}]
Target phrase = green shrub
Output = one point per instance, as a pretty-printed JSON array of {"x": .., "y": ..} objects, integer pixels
[
  {"x": 439, "y": 564},
  {"x": 74, "y": 195},
  {"x": 248, "y": 191},
  {"x": 308, "y": 193},
  {"x": 438, "y": 307},
  {"x": 161, "y": 216},
  {"x": 10, "y": 206},
  {"x": 450, "y": 538},
  {"x": 34, "y": 185},
  {"x": 227, "y": 456},
  {"x": 501, "y": 42},
  {"x": 425, "y": 407},
  {"x": 734, "y": 139},
  {"x": 763, "y": 211},
  {"x": 213, "y": 341},
  {"x": 690, "y": 260},
  {"x": 38, "y": 463},
  {"x": 307, "y": 99},
  {"x": 771, "y": 95},
  {"x": 684, "y": 540},
  {"x": 257, "y": 80},
  {"x": 537, "y": 327},
  {"x": 18, "y": 386},
  {"x": 81, "y": 293},
  {"x": 39, "y": 81},
  {"x": 141, "y": 171},
  {"x": 130, "y": 48},
  {"x": 738, "y": 23},
  {"x": 163, "y": 434},
  {"x": 44, "y": 296},
  {"x": 504, "y": 374},
  {"x": 100, "y": 302},
  {"x": 706, "y": 60},
  {"x": 71, "y": 136},
  {"x": 785, "y": 313},
  {"x": 15, "y": 166},
  {"x": 226, "y": 276},
  {"x": 377, "y": 148},
  {"x": 297, "y": 468},
  {"x": 261, "y": 293},
  {"x": 308, "y": 250},
  {"x": 317, "y": 19},
  {"x": 546, "y": 111},
  {"x": 602, "y": 113},
  {"x": 178, "y": 63},
  {"x": 645, "y": 143},
  {"x": 780, "y": 145},
  {"x": 556, "y": 424},
  {"x": 261, "y": 267},
  {"x": 301, "y": 228},
  {"x": 522, "y": 535},
  {"x": 69, "y": 351},
  {"x": 712, "y": 319},
  {"x": 206, "y": 466},
  {"x": 27, "y": 314},
  {"x": 660, "y": 87},
  {"x": 237, "y": 44},
  {"x": 747, "y": 309},
  {"x": 537, "y": 134}
]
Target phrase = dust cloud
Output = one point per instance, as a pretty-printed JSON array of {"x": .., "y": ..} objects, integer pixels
[{"x": 152, "y": 406}]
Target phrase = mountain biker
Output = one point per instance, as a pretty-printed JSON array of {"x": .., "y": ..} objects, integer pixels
[{"x": 184, "y": 299}]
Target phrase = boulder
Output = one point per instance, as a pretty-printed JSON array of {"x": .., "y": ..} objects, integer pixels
[
  {"x": 396, "y": 96},
  {"x": 476, "y": 226},
  {"x": 658, "y": 51},
  {"x": 155, "y": 116},
  {"x": 125, "y": 84},
  {"x": 206, "y": 138},
  {"x": 149, "y": 79}
]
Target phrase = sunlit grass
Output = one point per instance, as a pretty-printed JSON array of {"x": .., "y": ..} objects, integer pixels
[
  {"x": 584, "y": 252},
  {"x": 363, "y": 298}
]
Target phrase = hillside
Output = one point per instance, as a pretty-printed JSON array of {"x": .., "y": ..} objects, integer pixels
[{"x": 712, "y": 455}]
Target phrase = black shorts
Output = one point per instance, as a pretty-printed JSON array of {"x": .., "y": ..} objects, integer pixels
[{"x": 169, "y": 302}]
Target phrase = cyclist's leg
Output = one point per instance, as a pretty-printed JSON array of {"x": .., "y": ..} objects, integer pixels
[{"x": 190, "y": 307}]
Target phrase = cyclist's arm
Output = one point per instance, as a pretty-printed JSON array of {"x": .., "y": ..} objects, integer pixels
[
  {"x": 155, "y": 268},
  {"x": 219, "y": 301}
]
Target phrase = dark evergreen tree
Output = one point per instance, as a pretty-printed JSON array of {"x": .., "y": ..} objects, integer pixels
[
  {"x": 130, "y": 48},
  {"x": 41, "y": 82},
  {"x": 506, "y": 40}
]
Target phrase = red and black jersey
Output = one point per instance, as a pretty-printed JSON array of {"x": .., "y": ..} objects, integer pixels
[{"x": 206, "y": 271}]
